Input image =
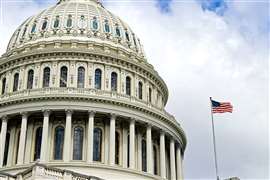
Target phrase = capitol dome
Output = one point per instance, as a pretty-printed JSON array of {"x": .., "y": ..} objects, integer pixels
[{"x": 78, "y": 100}]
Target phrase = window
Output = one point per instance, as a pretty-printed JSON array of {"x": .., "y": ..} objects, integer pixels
[
  {"x": 114, "y": 81},
  {"x": 24, "y": 31},
  {"x": 107, "y": 26},
  {"x": 127, "y": 36},
  {"x": 128, "y": 84},
  {"x": 155, "y": 160},
  {"x": 134, "y": 40},
  {"x": 38, "y": 143},
  {"x": 118, "y": 32},
  {"x": 98, "y": 75},
  {"x": 58, "y": 142},
  {"x": 69, "y": 21},
  {"x": 33, "y": 30},
  {"x": 30, "y": 79},
  {"x": 150, "y": 95},
  {"x": 44, "y": 25},
  {"x": 140, "y": 90},
  {"x": 4, "y": 81},
  {"x": 81, "y": 77},
  {"x": 144, "y": 165},
  {"x": 6, "y": 149},
  {"x": 63, "y": 76},
  {"x": 95, "y": 24},
  {"x": 117, "y": 148},
  {"x": 56, "y": 22},
  {"x": 46, "y": 77},
  {"x": 16, "y": 82},
  {"x": 78, "y": 143},
  {"x": 97, "y": 144}
]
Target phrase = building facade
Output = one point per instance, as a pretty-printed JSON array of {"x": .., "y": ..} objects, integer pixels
[{"x": 80, "y": 101}]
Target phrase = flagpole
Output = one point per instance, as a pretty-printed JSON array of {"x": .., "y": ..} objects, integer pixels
[{"x": 214, "y": 139}]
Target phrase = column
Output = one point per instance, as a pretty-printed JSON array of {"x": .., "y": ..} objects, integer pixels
[
  {"x": 179, "y": 164},
  {"x": 112, "y": 140},
  {"x": 125, "y": 141},
  {"x": 67, "y": 143},
  {"x": 149, "y": 147},
  {"x": 45, "y": 133},
  {"x": 3, "y": 139},
  {"x": 90, "y": 137},
  {"x": 132, "y": 144},
  {"x": 11, "y": 146},
  {"x": 139, "y": 151},
  {"x": 162, "y": 155},
  {"x": 172, "y": 159},
  {"x": 21, "y": 150}
]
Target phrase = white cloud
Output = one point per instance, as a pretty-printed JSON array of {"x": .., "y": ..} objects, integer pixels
[{"x": 200, "y": 54}]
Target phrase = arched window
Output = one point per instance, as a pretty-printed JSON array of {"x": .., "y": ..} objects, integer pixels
[
  {"x": 155, "y": 160},
  {"x": 107, "y": 26},
  {"x": 117, "y": 148},
  {"x": 128, "y": 86},
  {"x": 56, "y": 22},
  {"x": 150, "y": 95},
  {"x": 30, "y": 79},
  {"x": 4, "y": 81},
  {"x": 33, "y": 30},
  {"x": 6, "y": 149},
  {"x": 38, "y": 143},
  {"x": 114, "y": 81},
  {"x": 144, "y": 165},
  {"x": 134, "y": 40},
  {"x": 97, "y": 144},
  {"x": 44, "y": 25},
  {"x": 117, "y": 31},
  {"x": 24, "y": 31},
  {"x": 16, "y": 82},
  {"x": 81, "y": 77},
  {"x": 98, "y": 75},
  {"x": 78, "y": 143},
  {"x": 58, "y": 142},
  {"x": 69, "y": 21},
  {"x": 46, "y": 77},
  {"x": 95, "y": 24},
  {"x": 140, "y": 90},
  {"x": 127, "y": 36},
  {"x": 63, "y": 76}
]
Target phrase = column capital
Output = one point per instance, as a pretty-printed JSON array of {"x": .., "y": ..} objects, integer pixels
[
  {"x": 149, "y": 125},
  {"x": 91, "y": 113},
  {"x": 113, "y": 115},
  {"x": 46, "y": 112},
  {"x": 24, "y": 114},
  {"x": 4, "y": 118},
  {"x": 132, "y": 120},
  {"x": 69, "y": 111}
]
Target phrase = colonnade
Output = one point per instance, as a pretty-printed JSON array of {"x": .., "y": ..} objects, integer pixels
[{"x": 175, "y": 156}]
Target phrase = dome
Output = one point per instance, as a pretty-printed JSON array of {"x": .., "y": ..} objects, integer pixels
[{"x": 85, "y": 21}]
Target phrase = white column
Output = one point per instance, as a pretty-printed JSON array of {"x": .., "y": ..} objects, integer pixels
[
  {"x": 67, "y": 143},
  {"x": 22, "y": 139},
  {"x": 149, "y": 148},
  {"x": 125, "y": 141},
  {"x": 45, "y": 133},
  {"x": 90, "y": 137},
  {"x": 132, "y": 144},
  {"x": 3, "y": 139},
  {"x": 162, "y": 155},
  {"x": 112, "y": 140},
  {"x": 139, "y": 151},
  {"x": 11, "y": 146},
  {"x": 172, "y": 159},
  {"x": 179, "y": 167}
]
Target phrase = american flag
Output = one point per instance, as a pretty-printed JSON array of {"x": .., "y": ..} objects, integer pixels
[{"x": 221, "y": 107}]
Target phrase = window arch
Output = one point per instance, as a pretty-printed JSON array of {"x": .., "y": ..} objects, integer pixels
[
  {"x": 58, "y": 142},
  {"x": 117, "y": 148},
  {"x": 63, "y": 76},
  {"x": 155, "y": 160},
  {"x": 30, "y": 79},
  {"x": 114, "y": 81},
  {"x": 95, "y": 24},
  {"x": 144, "y": 165},
  {"x": 16, "y": 82},
  {"x": 33, "y": 30},
  {"x": 97, "y": 144},
  {"x": 44, "y": 24},
  {"x": 38, "y": 143},
  {"x": 46, "y": 77},
  {"x": 98, "y": 77},
  {"x": 140, "y": 90},
  {"x": 69, "y": 21},
  {"x": 6, "y": 149},
  {"x": 150, "y": 95},
  {"x": 81, "y": 77},
  {"x": 128, "y": 86},
  {"x": 78, "y": 143},
  {"x": 107, "y": 26},
  {"x": 56, "y": 22},
  {"x": 4, "y": 81}
]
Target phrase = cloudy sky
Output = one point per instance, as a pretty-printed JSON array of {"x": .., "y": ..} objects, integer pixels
[{"x": 201, "y": 48}]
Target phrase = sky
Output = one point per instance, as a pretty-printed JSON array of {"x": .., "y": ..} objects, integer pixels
[{"x": 201, "y": 48}]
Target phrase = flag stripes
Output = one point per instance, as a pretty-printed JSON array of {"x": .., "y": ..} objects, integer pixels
[{"x": 221, "y": 107}]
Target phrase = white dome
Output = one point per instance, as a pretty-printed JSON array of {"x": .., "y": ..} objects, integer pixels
[{"x": 79, "y": 20}]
